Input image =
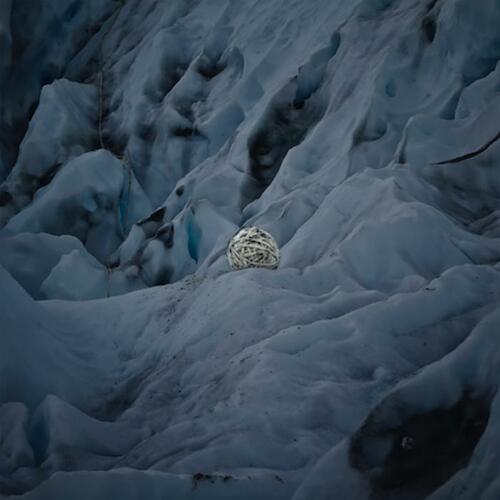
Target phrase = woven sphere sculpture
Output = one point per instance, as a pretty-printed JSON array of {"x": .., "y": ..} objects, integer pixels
[{"x": 253, "y": 247}]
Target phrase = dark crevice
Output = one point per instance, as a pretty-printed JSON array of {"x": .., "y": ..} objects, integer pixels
[
  {"x": 402, "y": 157},
  {"x": 114, "y": 144},
  {"x": 156, "y": 216},
  {"x": 30, "y": 184},
  {"x": 420, "y": 453},
  {"x": 429, "y": 28},
  {"x": 285, "y": 127},
  {"x": 48, "y": 73},
  {"x": 162, "y": 278},
  {"x": 166, "y": 234},
  {"x": 145, "y": 131},
  {"x": 478, "y": 69},
  {"x": 208, "y": 68},
  {"x": 158, "y": 276},
  {"x": 181, "y": 131},
  {"x": 5, "y": 198},
  {"x": 472, "y": 154},
  {"x": 48, "y": 176},
  {"x": 287, "y": 121},
  {"x": 431, "y": 5},
  {"x": 18, "y": 131}
]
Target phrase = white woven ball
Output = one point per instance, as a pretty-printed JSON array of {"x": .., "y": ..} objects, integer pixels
[{"x": 253, "y": 247}]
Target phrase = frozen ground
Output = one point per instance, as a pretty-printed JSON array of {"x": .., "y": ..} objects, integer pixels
[{"x": 137, "y": 136}]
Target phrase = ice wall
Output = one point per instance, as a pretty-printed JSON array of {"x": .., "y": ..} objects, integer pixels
[{"x": 138, "y": 136}]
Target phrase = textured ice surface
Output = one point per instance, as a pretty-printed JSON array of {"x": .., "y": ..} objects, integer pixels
[{"x": 137, "y": 137}]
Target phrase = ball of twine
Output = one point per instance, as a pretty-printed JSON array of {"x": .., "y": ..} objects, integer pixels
[{"x": 253, "y": 247}]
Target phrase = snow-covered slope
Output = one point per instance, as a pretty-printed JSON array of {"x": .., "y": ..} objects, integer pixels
[{"x": 137, "y": 137}]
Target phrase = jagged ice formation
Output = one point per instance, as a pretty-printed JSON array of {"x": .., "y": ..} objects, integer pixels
[{"x": 137, "y": 137}]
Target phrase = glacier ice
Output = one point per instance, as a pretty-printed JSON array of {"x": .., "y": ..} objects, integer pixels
[{"x": 137, "y": 137}]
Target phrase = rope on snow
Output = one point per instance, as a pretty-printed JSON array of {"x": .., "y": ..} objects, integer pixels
[{"x": 253, "y": 247}]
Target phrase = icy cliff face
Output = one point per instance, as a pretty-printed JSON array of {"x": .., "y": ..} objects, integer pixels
[{"x": 137, "y": 137}]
